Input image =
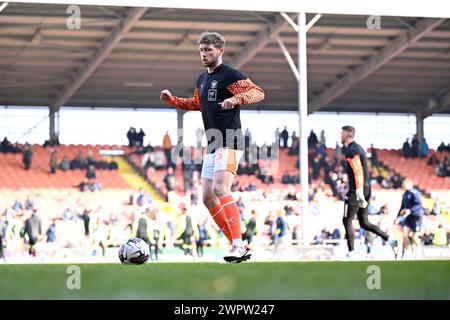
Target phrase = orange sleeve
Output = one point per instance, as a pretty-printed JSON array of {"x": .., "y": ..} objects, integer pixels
[
  {"x": 245, "y": 92},
  {"x": 356, "y": 165},
  {"x": 188, "y": 104}
]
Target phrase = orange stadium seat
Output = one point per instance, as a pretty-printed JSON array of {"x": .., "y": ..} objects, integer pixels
[{"x": 14, "y": 175}]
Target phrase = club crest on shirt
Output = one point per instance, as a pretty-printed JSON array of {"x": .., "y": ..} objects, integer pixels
[
  {"x": 212, "y": 95},
  {"x": 213, "y": 84}
]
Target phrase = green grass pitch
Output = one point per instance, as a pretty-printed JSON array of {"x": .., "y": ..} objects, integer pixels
[{"x": 258, "y": 280}]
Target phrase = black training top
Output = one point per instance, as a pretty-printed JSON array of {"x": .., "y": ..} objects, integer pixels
[
  {"x": 222, "y": 127},
  {"x": 356, "y": 167}
]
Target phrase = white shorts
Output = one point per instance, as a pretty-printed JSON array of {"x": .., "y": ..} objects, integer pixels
[{"x": 224, "y": 159}]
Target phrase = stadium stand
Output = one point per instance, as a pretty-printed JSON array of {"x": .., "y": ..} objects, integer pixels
[
  {"x": 416, "y": 169},
  {"x": 114, "y": 208},
  {"x": 14, "y": 176}
]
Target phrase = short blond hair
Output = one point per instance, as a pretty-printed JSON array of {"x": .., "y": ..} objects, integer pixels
[
  {"x": 408, "y": 183},
  {"x": 214, "y": 38}
]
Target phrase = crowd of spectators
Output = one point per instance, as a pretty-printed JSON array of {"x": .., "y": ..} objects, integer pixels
[
  {"x": 135, "y": 139},
  {"x": 413, "y": 149},
  {"x": 442, "y": 167},
  {"x": 7, "y": 146}
]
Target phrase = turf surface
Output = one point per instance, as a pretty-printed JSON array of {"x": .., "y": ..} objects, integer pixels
[{"x": 265, "y": 280}]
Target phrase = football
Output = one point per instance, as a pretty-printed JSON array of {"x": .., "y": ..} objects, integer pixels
[{"x": 134, "y": 251}]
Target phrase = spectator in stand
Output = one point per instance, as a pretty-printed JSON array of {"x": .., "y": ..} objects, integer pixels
[
  {"x": 241, "y": 207},
  {"x": 90, "y": 182},
  {"x": 323, "y": 141},
  {"x": 277, "y": 137},
  {"x": 432, "y": 160},
  {"x": 186, "y": 232},
  {"x": 336, "y": 235},
  {"x": 6, "y": 146},
  {"x": 53, "y": 161},
  {"x": 415, "y": 152},
  {"x": 264, "y": 174},
  {"x": 91, "y": 161},
  {"x": 170, "y": 180},
  {"x": 436, "y": 211},
  {"x": 68, "y": 215},
  {"x": 440, "y": 236},
  {"x": 27, "y": 156},
  {"x": 29, "y": 203},
  {"x": 51, "y": 237},
  {"x": 320, "y": 150},
  {"x": 331, "y": 179},
  {"x": 327, "y": 164},
  {"x": 245, "y": 169},
  {"x": 264, "y": 152},
  {"x": 65, "y": 164},
  {"x": 195, "y": 193},
  {"x": 140, "y": 138},
  {"x": 406, "y": 149},
  {"x": 425, "y": 149},
  {"x": 143, "y": 199},
  {"x": 374, "y": 157},
  {"x": 442, "y": 147},
  {"x": 158, "y": 159},
  {"x": 167, "y": 147},
  {"x": 141, "y": 228},
  {"x": 372, "y": 208},
  {"x": 90, "y": 173},
  {"x": 341, "y": 190},
  {"x": 147, "y": 160},
  {"x": 337, "y": 153},
  {"x": 312, "y": 139},
  {"x": 280, "y": 233},
  {"x": 251, "y": 187},
  {"x": 284, "y": 136},
  {"x": 443, "y": 168},
  {"x": 202, "y": 237},
  {"x": 286, "y": 178},
  {"x": 131, "y": 135},
  {"x": 80, "y": 162},
  {"x": 316, "y": 165},
  {"x": 188, "y": 175},
  {"x": 247, "y": 138},
  {"x": 295, "y": 145},
  {"x": 86, "y": 217},
  {"x": 250, "y": 229}
]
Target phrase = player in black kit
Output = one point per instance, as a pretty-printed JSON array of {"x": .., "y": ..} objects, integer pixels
[
  {"x": 219, "y": 93},
  {"x": 359, "y": 190}
]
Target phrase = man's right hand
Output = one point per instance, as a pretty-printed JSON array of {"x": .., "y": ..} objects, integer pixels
[
  {"x": 362, "y": 203},
  {"x": 165, "y": 95},
  {"x": 405, "y": 212}
]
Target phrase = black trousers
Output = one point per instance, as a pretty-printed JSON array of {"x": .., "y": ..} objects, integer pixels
[
  {"x": 351, "y": 209},
  {"x": 1, "y": 248}
]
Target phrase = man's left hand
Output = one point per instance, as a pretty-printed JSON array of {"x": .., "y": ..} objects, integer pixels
[{"x": 227, "y": 104}]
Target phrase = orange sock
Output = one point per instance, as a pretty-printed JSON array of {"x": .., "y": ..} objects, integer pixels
[
  {"x": 233, "y": 217},
  {"x": 218, "y": 214}
]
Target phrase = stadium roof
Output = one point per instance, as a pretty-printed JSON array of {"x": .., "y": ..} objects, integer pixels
[{"x": 123, "y": 57}]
